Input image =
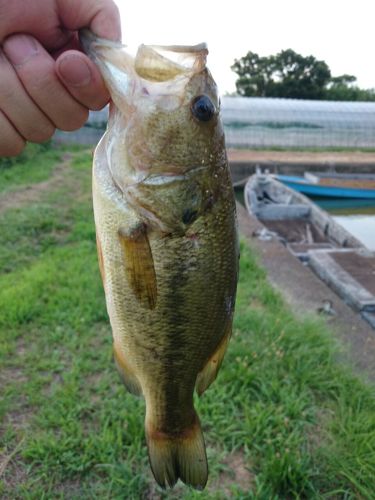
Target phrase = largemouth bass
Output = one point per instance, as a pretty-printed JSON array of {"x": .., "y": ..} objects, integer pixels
[{"x": 166, "y": 236}]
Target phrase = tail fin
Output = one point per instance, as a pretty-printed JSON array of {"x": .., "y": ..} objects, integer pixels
[{"x": 182, "y": 456}]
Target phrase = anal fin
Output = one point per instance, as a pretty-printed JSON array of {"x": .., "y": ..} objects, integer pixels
[
  {"x": 139, "y": 266},
  {"x": 209, "y": 373},
  {"x": 128, "y": 378}
]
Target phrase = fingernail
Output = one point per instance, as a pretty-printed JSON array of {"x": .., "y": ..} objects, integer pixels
[
  {"x": 74, "y": 71},
  {"x": 20, "y": 48}
]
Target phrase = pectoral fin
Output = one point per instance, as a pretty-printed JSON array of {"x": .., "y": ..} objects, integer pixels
[
  {"x": 211, "y": 368},
  {"x": 139, "y": 266}
]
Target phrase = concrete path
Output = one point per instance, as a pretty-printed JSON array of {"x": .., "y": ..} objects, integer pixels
[{"x": 305, "y": 292}]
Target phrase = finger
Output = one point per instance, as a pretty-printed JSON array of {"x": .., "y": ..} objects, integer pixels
[
  {"x": 11, "y": 143},
  {"x": 101, "y": 16},
  {"x": 48, "y": 21},
  {"x": 38, "y": 17},
  {"x": 82, "y": 78},
  {"x": 72, "y": 44},
  {"x": 36, "y": 70},
  {"x": 20, "y": 110}
]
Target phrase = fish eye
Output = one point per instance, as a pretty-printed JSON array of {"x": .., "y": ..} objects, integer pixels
[{"x": 203, "y": 108}]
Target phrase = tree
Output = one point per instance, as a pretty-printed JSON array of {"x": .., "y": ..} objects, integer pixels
[
  {"x": 343, "y": 88},
  {"x": 255, "y": 74},
  {"x": 286, "y": 74},
  {"x": 343, "y": 79}
]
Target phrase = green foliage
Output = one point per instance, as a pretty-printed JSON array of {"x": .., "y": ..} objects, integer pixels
[
  {"x": 343, "y": 88},
  {"x": 283, "y": 420},
  {"x": 31, "y": 151},
  {"x": 286, "y": 74},
  {"x": 289, "y": 74}
]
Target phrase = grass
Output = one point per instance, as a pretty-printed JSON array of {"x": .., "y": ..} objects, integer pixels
[
  {"x": 283, "y": 420},
  {"x": 34, "y": 165}
]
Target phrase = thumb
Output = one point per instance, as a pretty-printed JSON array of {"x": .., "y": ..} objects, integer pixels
[
  {"x": 101, "y": 16},
  {"x": 82, "y": 79}
]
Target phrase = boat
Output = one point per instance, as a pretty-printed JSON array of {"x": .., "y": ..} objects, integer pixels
[
  {"x": 293, "y": 218},
  {"x": 332, "y": 185},
  {"x": 313, "y": 236}
]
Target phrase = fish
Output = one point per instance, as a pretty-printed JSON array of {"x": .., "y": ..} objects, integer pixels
[{"x": 167, "y": 243}]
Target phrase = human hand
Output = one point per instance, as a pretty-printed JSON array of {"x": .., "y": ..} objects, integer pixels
[{"x": 45, "y": 81}]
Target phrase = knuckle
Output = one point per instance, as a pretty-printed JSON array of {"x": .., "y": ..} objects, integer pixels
[
  {"x": 12, "y": 149},
  {"x": 75, "y": 121},
  {"x": 18, "y": 148},
  {"x": 115, "y": 9},
  {"x": 97, "y": 106},
  {"x": 11, "y": 143},
  {"x": 39, "y": 79},
  {"x": 42, "y": 133},
  {"x": 7, "y": 91},
  {"x": 41, "y": 82},
  {"x": 111, "y": 7}
]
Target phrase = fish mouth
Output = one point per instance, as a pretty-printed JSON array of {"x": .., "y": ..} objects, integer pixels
[
  {"x": 154, "y": 63},
  {"x": 160, "y": 63}
]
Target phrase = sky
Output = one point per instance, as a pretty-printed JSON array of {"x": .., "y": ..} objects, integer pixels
[{"x": 342, "y": 33}]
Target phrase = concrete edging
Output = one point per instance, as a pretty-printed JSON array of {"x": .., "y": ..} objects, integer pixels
[{"x": 352, "y": 292}]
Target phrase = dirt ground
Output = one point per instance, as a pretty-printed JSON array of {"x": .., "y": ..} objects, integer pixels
[{"x": 29, "y": 194}]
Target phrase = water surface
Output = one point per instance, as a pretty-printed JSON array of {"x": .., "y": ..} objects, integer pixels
[{"x": 357, "y": 216}]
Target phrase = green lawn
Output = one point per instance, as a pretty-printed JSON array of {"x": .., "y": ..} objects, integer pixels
[{"x": 283, "y": 420}]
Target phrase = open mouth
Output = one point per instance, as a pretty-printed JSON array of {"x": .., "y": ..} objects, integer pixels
[{"x": 158, "y": 63}]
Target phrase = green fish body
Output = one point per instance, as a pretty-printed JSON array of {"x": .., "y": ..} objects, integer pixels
[{"x": 166, "y": 235}]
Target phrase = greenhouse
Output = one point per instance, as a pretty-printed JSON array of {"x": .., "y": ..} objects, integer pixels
[
  {"x": 293, "y": 123},
  {"x": 257, "y": 122}
]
